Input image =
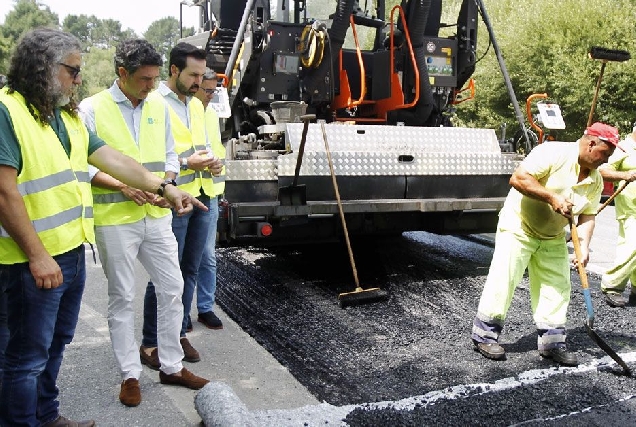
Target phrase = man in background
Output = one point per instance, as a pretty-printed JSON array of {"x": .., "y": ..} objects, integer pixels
[
  {"x": 622, "y": 167},
  {"x": 198, "y": 169},
  {"x": 206, "y": 282}
]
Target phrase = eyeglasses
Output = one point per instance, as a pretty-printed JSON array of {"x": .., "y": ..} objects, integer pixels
[
  {"x": 73, "y": 71},
  {"x": 209, "y": 91}
]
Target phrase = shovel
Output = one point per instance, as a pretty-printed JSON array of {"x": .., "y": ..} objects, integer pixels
[
  {"x": 589, "y": 324},
  {"x": 296, "y": 195}
]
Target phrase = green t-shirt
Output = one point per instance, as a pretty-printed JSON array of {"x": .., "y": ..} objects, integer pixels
[
  {"x": 10, "y": 154},
  {"x": 624, "y": 161}
]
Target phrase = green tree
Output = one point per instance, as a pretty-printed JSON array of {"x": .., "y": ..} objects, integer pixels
[
  {"x": 95, "y": 32},
  {"x": 163, "y": 34},
  {"x": 26, "y": 14},
  {"x": 545, "y": 45},
  {"x": 97, "y": 71},
  {"x": 81, "y": 26}
]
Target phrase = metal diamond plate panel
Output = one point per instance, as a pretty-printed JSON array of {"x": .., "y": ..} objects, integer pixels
[
  {"x": 394, "y": 138},
  {"x": 238, "y": 170},
  {"x": 396, "y": 150},
  {"x": 355, "y": 163}
]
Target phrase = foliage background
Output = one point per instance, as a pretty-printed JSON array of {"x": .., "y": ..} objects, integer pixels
[{"x": 545, "y": 44}]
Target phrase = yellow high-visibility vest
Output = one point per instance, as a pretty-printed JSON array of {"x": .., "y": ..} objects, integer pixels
[
  {"x": 55, "y": 188},
  {"x": 212, "y": 128},
  {"x": 112, "y": 207},
  {"x": 187, "y": 141}
]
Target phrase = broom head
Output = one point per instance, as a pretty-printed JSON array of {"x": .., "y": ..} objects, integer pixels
[
  {"x": 597, "y": 52},
  {"x": 362, "y": 296}
]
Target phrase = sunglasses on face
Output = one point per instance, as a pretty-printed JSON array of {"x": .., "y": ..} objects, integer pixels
[{"x": 73, "y": 71}]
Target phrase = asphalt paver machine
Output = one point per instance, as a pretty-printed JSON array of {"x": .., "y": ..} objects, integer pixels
[{"x": 384, "y": 84}]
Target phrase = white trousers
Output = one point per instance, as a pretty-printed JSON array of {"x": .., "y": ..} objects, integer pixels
[{"x": 151, "y": 241}]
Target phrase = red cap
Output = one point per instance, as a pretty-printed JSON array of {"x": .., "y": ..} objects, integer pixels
[{"x": 603, "y": 132}]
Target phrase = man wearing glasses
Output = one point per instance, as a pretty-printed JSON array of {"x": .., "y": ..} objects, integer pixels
[
  {"x": 206, "y": 283},
  {"x": 46, "y": 216},
  {"x": 555, "y": 182}
]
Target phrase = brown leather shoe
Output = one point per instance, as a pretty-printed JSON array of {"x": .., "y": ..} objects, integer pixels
[
  {"x": 65, "y": 422},
  {"x": 184, "y": 378},
  {"x": 152, "y": 360},
  {"x": 130, "y": 394},
  {"x": 189, "y": 352}
]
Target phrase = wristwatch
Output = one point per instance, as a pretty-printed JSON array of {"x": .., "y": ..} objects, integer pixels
[
  {"x": 184, "y": 163},
  {"x": 162, "y": 187}
]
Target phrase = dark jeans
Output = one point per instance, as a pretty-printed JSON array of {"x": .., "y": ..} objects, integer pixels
[
  {"x": 191, "y": 231},
  {"x": 41, "y": 323}
]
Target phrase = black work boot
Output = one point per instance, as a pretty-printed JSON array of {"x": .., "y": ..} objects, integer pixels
[
  {"x": 632, "y": 298},
  {"x": 561, "y": 355},
  {"x": 490, "y": 350},
  {"x": 615, "y": 299}
]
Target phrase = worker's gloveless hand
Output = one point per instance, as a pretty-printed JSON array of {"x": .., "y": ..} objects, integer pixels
[
  {"x": 46, "y": 272},
  {"x": 216, "y": 167},
  {"x": 161, "y": 202},
  {"x": 631, "y": 176},
  {"x": 562, "y": 205},
  {"x": 585, "y": 253},
  {"x": 181, "y": 201},
  {"x": 200, "y": 160},
  {"x": 140, "y": 197}
]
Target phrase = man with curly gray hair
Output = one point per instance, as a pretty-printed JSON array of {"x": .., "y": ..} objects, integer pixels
[{"x": 46, "y": 216}]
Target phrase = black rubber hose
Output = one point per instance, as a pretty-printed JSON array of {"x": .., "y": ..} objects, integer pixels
[{"x": 315, "y": 81}]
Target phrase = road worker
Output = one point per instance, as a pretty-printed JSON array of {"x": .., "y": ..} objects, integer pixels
[
  {"x": 555, "y": 182},
  {"x": 622, "y": 167}
]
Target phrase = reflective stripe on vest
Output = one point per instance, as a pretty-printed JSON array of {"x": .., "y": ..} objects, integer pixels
[
  {"x": 54, "y": 187},
  {"x": 214, "y": 136},
  {"x": 112, "y": 207}
]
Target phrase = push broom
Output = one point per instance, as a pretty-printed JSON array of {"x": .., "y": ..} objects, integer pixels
[
  {"x": 358, "y": 295},
  {"x": 604, "y": 55}
]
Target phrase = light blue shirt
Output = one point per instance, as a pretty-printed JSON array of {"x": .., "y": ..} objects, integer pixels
[
  {"x": 179, "y": 107},
  {"x": 132, "y": 117}
]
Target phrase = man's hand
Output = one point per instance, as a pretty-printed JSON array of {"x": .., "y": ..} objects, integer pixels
[
  {"x": 46, "y": 272},
  {"x": 585, "y": 253},
  {"x": 181, "y": 201},
  {"x": 562, "y": 205},
  {"x": 630, "y": 176},
  {"x": 201, "y": 160},
  {"x": 161, "y": 202},
  {"x": 138, "y": 196},
  {"x": 216, "y": 168}
]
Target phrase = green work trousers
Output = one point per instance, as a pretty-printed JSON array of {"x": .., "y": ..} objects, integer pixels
[
  {"x": 624, "y": 269},
  {"x": 547, "y": 262}
]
